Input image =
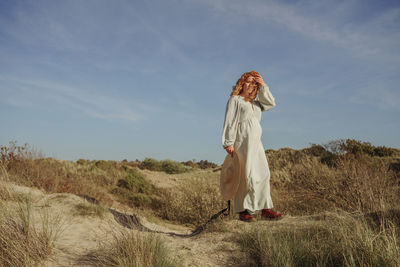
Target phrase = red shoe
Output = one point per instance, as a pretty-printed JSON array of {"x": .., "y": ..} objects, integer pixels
[
  {"x": 246, "y": 216},
  {"x": 271, "y": 215}
]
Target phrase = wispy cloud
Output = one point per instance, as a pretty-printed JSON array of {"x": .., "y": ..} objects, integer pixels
[
  {"x": 27, "y": 93},
  {"x": 376, "y": 36},
  {"x": 88, "y": 28},
  {"x": 379, "y": 96}
]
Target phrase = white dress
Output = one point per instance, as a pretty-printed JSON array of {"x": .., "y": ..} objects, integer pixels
[{"x": 242, "y": 129}]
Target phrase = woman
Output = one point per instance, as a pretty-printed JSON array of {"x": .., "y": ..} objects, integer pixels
[{"x": 241, "y": 138}]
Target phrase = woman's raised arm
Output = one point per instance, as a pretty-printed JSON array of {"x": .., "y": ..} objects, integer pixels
[{"x": 265, "y": 98}]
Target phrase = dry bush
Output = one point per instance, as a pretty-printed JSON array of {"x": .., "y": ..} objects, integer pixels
[
  {"x": 194, "y": 202},
  {"x": 202, "y": 164},
  {"x": 22, "y": 241},
  {"x": 130, "y": 248},
  {"x": 25, "y": 166},
  {"x": 55, "y": 176},
  {"x": 90, "y": 178},
  {"x": 357, "y": 183},
  {"x": 340, "y": 240}
]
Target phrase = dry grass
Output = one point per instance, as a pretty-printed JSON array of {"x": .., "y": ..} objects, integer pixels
[
  {"x": 194, "y": 202},
  {"x": 341, "y": 239},
  {"x": 356, "y": 178},
  {"x": 55, "y": 176},
  {"x": 5, "y": 192},
  {"x": 130, "y": 248},
  {"x": 342, "y": 179},
  {"x": 357, "y": 183},
  {"x": 24, "y": 242}
]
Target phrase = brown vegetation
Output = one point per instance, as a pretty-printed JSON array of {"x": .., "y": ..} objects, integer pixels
[{"x": 348, "y": 189}]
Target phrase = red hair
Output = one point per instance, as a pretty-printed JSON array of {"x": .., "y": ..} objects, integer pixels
[{"x": 238, "y": 88}]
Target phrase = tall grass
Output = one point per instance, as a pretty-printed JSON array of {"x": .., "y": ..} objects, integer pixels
[
  {"x": 5, "y": 192},
  {"x": 340, "y": 240},
  {"x": 303, "y": 184},
  {"x": 194, "y": 202},
  {"x": 130, "y": 248},
  {"x": 24, "y": 241}
]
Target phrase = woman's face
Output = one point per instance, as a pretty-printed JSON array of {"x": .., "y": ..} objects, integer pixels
[{"x": 246, "y": 86}]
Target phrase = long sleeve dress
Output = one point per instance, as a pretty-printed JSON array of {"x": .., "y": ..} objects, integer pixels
[{"x": 243, "y": 131}]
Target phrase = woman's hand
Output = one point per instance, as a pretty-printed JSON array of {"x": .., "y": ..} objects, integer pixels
[
  {"x": 230, "y": 150},
  {"x": 259, "y": 79}
]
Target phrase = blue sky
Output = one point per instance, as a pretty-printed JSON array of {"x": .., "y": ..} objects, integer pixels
[{"x": 133, "y": 79}]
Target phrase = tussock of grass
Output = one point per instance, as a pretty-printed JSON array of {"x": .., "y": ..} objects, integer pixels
[
  {"x": 129, "y": 248},
  {"x": 22, "y": 241},
  {"x": 341, "y": 240}
]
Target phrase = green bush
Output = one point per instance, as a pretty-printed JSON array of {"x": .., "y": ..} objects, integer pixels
[
  {"x": 137, "y": 182},
  {"x": 135, "y": 190},
  {"x": 382, "y": 151},
  {"x": 168, "y": 166},
  {"x": 151, "y": 164},
  {"x": 172, "y": 167}
]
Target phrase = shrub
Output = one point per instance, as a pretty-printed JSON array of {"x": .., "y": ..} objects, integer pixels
[
  {"x": 358, "y": 147},
  {"x": 106, "y": 165},
  {"x": 135, "y": 190},
  {"x": 204, "y": 164},
  {"x": 150, "y": 164},
  {"x": 172, "y": 167},
  {"x": 137, "y": 182},
  {"x": 82, "y": 161},
  {"x": 382, "y": 151},
  {"x": 358, "y": 183},
  {"x": 168, "y": 166},
  {"x": 316, "y": 150}
]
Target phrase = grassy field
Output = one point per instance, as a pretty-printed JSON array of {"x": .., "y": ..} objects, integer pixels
[{"x": 342, "y": 201}]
